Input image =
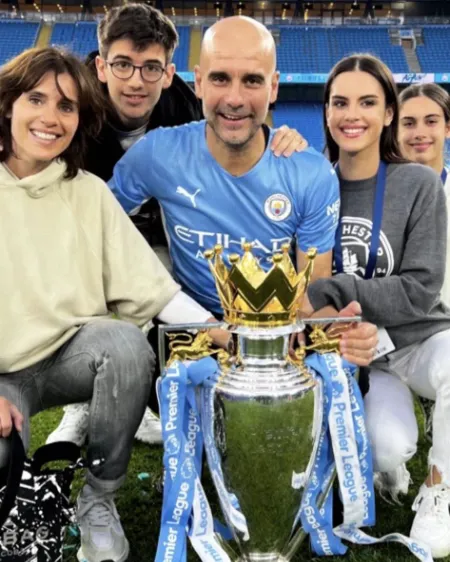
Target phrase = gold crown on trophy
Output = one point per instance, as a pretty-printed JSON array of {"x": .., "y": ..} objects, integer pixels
[{"x": 253, "y": 297}]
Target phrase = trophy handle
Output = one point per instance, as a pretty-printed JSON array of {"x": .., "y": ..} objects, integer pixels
[
  {"x": 321, "y": 342},
  {"x": 298, "y": 359},
  {"x": 186, "y": 347}
]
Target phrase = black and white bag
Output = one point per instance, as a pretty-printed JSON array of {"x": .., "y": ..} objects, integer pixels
[{"x": 35, "y": 502}]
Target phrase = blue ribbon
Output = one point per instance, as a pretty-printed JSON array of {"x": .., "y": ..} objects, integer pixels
[
  {"x": 377, "y": 217},
  {"x": 183, "y": 446},
  {"x": 318, "y": 522},
  {"x": 332, "y": 451}
]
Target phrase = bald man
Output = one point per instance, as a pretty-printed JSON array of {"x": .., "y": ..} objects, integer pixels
[
  {"x": 218, "y": 182},
  {"x": 236, "y": 81}
]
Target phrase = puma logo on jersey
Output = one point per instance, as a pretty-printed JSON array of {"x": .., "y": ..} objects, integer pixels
[{"x": 190, "y": 196}]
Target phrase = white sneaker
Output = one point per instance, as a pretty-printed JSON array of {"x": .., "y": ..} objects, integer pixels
[
  {"x": 102, "y": 535},
  {"x": 392, "y": 483},
  {"x": 150, "y": 430},
  {"x": 73, "y": 426},
  {"x": 431, "y": 524}
]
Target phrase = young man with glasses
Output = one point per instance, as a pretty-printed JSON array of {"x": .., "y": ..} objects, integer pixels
[{"x": 142, "y": 93}]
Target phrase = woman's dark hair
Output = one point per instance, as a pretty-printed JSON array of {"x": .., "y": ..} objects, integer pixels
[
  {"x": 432, "y": 91},
  {"x": 24, "y": 72},
  {"x": 389, "y": 146}
]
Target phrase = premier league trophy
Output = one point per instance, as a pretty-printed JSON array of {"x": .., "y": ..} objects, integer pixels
[{"x": 261, "y": 418}]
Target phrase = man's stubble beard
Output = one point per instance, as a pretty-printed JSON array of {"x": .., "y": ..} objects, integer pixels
[{"x": 238, "y": 146}]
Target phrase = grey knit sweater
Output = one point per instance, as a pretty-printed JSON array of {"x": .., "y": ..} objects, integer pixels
[{"x": 404, "y": 294}]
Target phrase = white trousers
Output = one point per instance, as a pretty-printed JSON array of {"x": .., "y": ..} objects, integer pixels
[{"x": 390, "y": 418}]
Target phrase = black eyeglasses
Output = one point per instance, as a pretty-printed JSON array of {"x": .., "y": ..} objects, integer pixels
[{"x": 124, "y": 70}]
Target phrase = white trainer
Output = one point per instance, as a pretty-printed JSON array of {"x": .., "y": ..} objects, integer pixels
[
  {"x": 102, "y": 536},
  {"x": 390, "y": 484},
  {"x": 150, "y": 430},
  {"x": 431, "y": 524},
  {"x": 73, "y": 426}
]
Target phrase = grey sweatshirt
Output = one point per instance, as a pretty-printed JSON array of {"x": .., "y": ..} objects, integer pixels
[{"x": 404, "y": 294}]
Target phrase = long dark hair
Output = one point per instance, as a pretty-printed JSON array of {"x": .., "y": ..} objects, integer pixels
[
  {"x": 389, "y": 146},
  {"x": 24, "y": 72},
  {"x": 432, "y": 91}
]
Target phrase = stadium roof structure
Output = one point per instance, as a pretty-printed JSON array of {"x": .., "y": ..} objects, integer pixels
[{"x": 292, "y": 9}]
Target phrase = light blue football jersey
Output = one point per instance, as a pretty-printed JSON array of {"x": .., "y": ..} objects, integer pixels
[{"x": 279, "y": 200}]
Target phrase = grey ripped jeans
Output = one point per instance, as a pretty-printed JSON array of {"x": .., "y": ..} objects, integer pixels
[{"x": 109, "y": 363}]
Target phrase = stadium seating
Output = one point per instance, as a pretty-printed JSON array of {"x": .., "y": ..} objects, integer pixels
[
  {"x": 317, "y": 49},
  {"x": 300, "y": 49},
  {"x": 15, "y": 37},
  {"x": 304, "y": 50},
  {"x": 432, "y": 54},
  {"x": 181, "y": 56},
  {"x": 81, "y": 37},
  {"x": 305, "y": 117}
]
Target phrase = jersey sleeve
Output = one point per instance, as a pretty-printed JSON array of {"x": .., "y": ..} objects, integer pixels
[
  {"x": 320, "y": 214},
  {"x": 132, "y": 182}
]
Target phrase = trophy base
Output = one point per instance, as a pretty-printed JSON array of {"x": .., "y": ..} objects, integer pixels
[{"x": 263, "y": 557}]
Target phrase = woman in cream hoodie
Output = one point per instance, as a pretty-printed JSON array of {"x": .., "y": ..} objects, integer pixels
[{"x": 71, "y": 258}]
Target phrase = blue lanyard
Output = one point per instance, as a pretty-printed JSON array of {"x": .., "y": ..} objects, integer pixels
[
  {"x": 377, "y": 217},
  {"x": 444, "y": 176}
]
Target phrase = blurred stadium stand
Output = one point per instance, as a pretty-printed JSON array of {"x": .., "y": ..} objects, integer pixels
[
  {"x": 433, "y": 54},
  {"x": 15, "y": 37},
  {"x": 181, "y": 56},
  {"x": 306, "y": 117},
  {"x": 307, "y": 48},
  {"x": 316, "y": 50},
  {"x": 81, "y": 37}
]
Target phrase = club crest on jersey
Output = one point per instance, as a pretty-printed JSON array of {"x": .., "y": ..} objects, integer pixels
[{"x": 277, "y": 207}]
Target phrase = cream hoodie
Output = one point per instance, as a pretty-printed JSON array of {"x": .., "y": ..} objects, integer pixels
[{"x": 69, "y": 254}]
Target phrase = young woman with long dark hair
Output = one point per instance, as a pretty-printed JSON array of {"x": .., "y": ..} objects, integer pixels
[{"x": 389, "y": 257}]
